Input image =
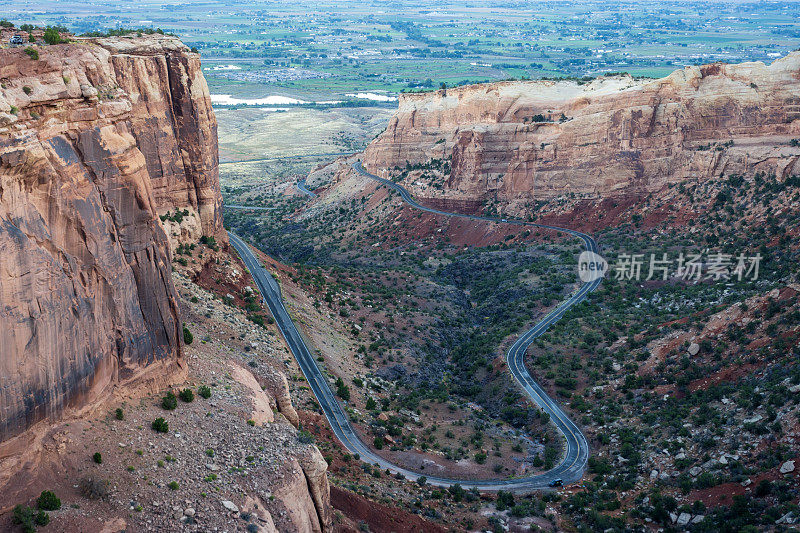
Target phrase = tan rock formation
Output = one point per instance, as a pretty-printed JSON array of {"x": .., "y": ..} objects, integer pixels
[
  {"x": 524, "y": 140},
  {"x": 262, "y": 407},
  {"x": 304, "y": 496},
  {"x": 97, "y": 138},
  {"x": 275, "y": 383},
  {"x": 263, "y": 519}
]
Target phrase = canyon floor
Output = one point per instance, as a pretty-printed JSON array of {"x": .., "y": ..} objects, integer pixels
[
  {"x": 145, "y": 383},
  {"x": 663, "y": 376},
  {"x": 234, "y": 461}
]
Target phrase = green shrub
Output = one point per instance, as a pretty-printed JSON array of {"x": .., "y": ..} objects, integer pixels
[
  {"x": 505, "y": 500},
  {"x": 26, "y": 89},
  {"x": 169, "y": 402},
  {"x": 48, "y": 501},
  {"x": 160, "y": 425},
  {"x": 23, "y": 516},
  {"x": 51, "y": 36},
  {"x": 173, "y": 485},
  {"x": 41, "y": 518},
  {"x": 187, "y": 395},
  {"x": 33, "y": 53},
  {"x": 204, "y": 391},
  {"x": 211, "y": 242},
  {"x": 188, "y": 338},
  {"x": 342, "y": 390},
  {"x": 29, "y": 518},
  {"x": 97, "y": 458},
  {"x": 457, "y": 491},
  {"x": 119, "y": 414}
]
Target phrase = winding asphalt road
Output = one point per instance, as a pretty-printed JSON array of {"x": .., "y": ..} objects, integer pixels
[
  {"x": 301, "y": 186},
  {"x": 570, "y": 469}
]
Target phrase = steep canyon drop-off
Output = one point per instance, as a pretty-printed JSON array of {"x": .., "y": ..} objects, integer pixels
[{"x": 98, "y": 138}]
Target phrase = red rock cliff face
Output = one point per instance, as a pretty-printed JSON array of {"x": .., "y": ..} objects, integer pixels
[
  {"x": 97, "y": 138},
  {"x": 518, "y": 141}
]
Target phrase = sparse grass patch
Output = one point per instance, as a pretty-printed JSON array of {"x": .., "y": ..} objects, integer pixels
[{"x": 93, "y": 488}]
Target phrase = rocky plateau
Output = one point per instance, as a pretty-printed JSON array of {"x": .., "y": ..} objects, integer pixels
[{"x": 519, "y": 141}]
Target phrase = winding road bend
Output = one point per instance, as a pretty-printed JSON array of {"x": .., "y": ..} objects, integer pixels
[
  {"x": 301, "y": 186},
  {"x": 576, "y": 454}
]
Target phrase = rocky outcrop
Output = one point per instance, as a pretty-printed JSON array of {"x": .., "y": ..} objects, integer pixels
[
  {"x": 524, "y": 140},
  {"x": 262, "y": 407},
  {"x": 97, "y": 139},
  {"x": 304, "y": 496},
  {"x": 275, "y": 383}
]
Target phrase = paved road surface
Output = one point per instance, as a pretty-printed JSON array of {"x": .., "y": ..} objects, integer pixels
[
  {"x": 301, "y": 186},
  {"x": 576, "y": 455}
]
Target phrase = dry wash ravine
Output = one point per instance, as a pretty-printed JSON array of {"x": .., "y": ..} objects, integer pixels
[{"x": 576, "y": 453}]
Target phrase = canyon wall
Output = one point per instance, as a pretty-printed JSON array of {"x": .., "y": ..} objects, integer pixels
[
  {"x": 98, "y": 138},
  {"x": 525, "y": 140}
]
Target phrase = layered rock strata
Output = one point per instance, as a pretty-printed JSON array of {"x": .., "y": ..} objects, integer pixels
[
  {"x": 530, "y": 140},
  {"x": 99, "y": 138}
]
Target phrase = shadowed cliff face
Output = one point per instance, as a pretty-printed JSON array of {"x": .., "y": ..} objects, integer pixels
[
  {"x": 519, "y": 141},
  {"x": 97, "y": 139}
]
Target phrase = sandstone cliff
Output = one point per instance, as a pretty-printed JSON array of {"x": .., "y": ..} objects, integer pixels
[
  {"x": 519, "y": 141},
  {"x": 97, "y": 139}
]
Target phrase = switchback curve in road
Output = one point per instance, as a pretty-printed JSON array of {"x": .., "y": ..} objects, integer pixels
[
  {"x": 301, "y": 186},
  {"x": 576, "y": 454}
]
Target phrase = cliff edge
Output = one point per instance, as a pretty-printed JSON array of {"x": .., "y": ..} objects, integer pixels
[
  {"x": 99, "y": 138},
  {"x": 520, "y": 141}
]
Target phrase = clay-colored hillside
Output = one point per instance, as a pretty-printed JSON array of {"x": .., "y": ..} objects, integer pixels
[
  {"x": 97, "y": 139},
  {"x": 524, "y": 140}
]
